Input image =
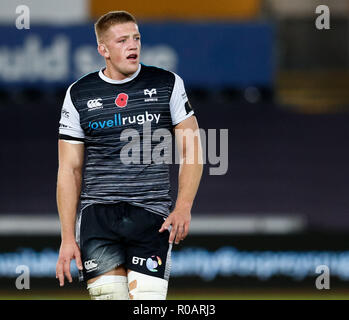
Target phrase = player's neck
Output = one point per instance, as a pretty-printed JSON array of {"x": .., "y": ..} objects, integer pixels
[{"x": 113, "y": 74}]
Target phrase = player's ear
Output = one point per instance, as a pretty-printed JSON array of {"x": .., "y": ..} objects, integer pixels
[{"x": 103, "y": 50}]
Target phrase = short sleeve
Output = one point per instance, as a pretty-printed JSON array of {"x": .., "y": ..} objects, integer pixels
[
  {"x": 69, "y": 124},
  {"x": 179, "y": 104}
]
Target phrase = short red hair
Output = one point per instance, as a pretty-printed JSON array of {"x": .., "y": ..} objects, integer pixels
[{"x": 111, "y": 18}]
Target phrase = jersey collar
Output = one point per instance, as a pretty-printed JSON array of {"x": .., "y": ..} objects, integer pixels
[{"x": 106, "y": 79}]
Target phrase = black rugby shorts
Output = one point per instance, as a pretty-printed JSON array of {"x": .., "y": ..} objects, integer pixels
[{"x": 122, "y": 234}]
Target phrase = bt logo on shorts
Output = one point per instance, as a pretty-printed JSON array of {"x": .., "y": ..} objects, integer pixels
[
  {"x": 90, "y": 265},
  {"x": 138, "y": 260},
  {"x": 153, "y": 262}
]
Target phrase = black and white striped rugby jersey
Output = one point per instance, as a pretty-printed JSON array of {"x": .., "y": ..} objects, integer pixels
[{"x": 97, "y": 110}]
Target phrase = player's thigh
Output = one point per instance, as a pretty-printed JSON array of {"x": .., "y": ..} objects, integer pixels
[
  {"x": 111, "y": 285},
  {"x": 147, "y": 250},
  {"x": 148, "y": 257},
  {"x": 101, "y": 249},
  {"x": 145, "y": 287},
  {"x": 118, "y": 271}
]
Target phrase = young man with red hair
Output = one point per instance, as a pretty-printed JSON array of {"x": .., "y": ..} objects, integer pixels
[{"x": 122, "y": 236}]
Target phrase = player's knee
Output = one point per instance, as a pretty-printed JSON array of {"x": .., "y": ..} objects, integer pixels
[
  {"x": 144, "y": 287},
  {"x": 109, "y": 287}
]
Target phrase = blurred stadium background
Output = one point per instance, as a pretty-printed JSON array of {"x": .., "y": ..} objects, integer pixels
[{"x": 259, "y": 68}]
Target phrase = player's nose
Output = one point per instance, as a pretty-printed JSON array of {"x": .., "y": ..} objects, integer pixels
[{"x": 133, "y": 45}]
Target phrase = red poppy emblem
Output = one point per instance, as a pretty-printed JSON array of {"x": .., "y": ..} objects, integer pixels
[{"x": 121, "y": 100}]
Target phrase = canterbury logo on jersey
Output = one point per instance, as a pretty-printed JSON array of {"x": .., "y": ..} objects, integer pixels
[
  {"x": 94, "y": 104},
  {"x": 119, "y": 120},
  {"x": 90, "y": 265},
  {"x": 65, "y": 113}
]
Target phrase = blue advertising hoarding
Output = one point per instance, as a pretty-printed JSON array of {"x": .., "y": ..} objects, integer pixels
[
  {"x": 210, "y": 55},
  {"x": 208, "y": 260}
]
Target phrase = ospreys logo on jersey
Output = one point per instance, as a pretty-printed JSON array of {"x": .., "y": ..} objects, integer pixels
[{"x": 150, "y": 94}]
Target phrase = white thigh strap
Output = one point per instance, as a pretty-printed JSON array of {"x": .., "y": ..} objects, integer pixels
[
  {"x": 144, "y": 287},
  {"x": 109, "y": 287},
  {"x": 107, "y": 280}
]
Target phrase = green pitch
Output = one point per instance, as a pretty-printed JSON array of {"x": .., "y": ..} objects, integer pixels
[{"x": 260, "y": 294}]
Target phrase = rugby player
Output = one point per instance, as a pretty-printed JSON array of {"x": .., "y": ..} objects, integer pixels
[{"x": 117, "y": 219}]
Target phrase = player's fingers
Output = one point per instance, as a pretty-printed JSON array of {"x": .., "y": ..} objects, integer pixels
[
  {"x": 173, "y": 233},
  {"x": 78, "y": 259},
  {"x": 66, "y": 269},
  {"x": 165, "y": 225},
  {"x": 185, "y": 230},
  {"x": 179, "y": 234},
  {"x": 59, "y": 273}
]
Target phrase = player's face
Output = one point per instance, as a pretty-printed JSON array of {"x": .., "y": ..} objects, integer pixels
[{"x": 123, "y": 45}]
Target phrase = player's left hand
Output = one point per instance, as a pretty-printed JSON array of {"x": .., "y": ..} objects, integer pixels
[{"x": 179, "y": 220}]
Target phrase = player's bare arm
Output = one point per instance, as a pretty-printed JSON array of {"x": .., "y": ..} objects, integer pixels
[
  {"x": 69, "y": 179},
  {"x": 190, "y": 172}
]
